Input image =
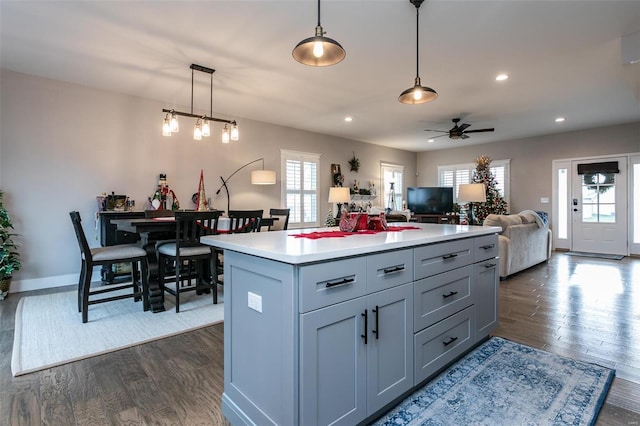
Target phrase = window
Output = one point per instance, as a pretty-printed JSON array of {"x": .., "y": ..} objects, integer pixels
[
  {"x": 459, "y": 174},
  {"x": 300, "y": 187},
  {"x": 392, "y": 175}
]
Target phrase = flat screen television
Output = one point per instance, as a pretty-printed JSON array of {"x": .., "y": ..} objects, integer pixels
[{"x": 430, "y": 200}]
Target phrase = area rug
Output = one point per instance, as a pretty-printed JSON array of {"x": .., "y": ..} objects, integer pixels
[
  {"x": 49, "y": 330},
  {"x": 595, "y": 255},
  {"x": 505, "y": 383}
]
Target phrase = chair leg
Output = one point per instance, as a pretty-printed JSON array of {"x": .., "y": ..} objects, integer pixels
[
  {"x": 134, "y": 280},
  {"x": 178, "y": 270},
  {"x": 86, "y": 287},
  {"x": 81, "y": 284},
  {"x": 145, "y": 284},
  {"x": 213, "y": 265}
]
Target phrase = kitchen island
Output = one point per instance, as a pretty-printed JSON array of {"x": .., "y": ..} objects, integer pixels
[{"x": 337, "y": 330}]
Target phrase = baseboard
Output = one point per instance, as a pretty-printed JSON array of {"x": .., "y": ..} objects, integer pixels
[{"x": 18, "y": 286}]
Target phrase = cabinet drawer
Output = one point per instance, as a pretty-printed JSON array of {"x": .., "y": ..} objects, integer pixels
[
  {"x": 438, "y": 345},
  {"x": 437, "y": 258},
  {"x": 324, "y": 284},
  {"x": 390, "y": 269},
  {"x": 437, "y": 297},
  {"x": 485, "y": 247}
]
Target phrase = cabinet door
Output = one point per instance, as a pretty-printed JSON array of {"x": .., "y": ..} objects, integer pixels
[
  {"x": 332, "y": 365},
  {"x": 486, "y": 297},
  {"x": 389, "y": 346}
]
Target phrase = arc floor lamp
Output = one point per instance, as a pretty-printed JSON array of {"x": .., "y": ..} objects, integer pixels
[{"x": 258, "y": 177}]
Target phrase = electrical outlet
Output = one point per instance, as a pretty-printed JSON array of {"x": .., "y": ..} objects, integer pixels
[
  {"x": 254, "y": 302},
  {"x": 544, "y": 200}
]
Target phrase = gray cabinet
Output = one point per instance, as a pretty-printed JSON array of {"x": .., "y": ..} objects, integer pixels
[
  {"x": 356, "y": 356},
  {"x": 486, "y": 291}
]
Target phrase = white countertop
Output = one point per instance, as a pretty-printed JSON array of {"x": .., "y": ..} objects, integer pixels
[{"x": 284, "y": 247}]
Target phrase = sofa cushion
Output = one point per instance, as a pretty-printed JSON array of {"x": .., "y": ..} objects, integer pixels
[
  {"x": 527, "y": 218},
  {"x": 503, "y": 221}
]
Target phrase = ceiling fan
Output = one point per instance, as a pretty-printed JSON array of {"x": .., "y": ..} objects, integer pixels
[{"x": 459, "y": 132}]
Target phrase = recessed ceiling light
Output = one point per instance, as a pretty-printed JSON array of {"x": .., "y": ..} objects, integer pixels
[
  {"x": 502, "y": 77},
  {"x": 348, "y": 119},
  {"x": 430, "y": 140},
  {"x": 559, "y": 119}
]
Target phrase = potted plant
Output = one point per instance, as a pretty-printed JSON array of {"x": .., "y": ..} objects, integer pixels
[{"x": 9, "y": 256}]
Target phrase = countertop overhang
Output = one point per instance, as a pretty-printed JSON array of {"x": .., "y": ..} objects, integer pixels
[{"x": 284, "y": 246}]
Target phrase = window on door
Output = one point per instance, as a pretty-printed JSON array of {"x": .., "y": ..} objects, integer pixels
[
  {"x": 300, "y": 187},
  {"x": 598, "y": 198}
]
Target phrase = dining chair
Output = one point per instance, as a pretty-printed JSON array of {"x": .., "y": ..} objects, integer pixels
[
  {"x": 102, "y": 256},
  {"x": 195, "y": 263},
  {"x": 283, "y": 219},
  {"x": 245, "y": 221}
]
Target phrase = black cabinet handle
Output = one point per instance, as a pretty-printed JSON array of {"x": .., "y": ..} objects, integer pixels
[
  {"x": 450, "y": 341},
  {"x": 344, "y": 281},
  {"x": 376, "y": 331},
  {"x": 395, "y": 269},
  {"x": 487, "y": 247},
  {"x": 451, "y": 293},
  {"x": 365, "y": 327},
  {"x": 449, "y": 256},
  {"x": 490, "y": 265}
]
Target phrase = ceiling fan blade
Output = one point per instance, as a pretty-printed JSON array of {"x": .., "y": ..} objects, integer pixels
[
  {"x": 464, "y": 136},
  {"x": 441, "y": 131},
  {"x": 463, "y": 126},
  {"x": 480, "y": 130},
  {"x": 436, "y": 137}
]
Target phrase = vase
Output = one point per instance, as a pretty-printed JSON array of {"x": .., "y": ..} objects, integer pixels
[{"x": 5, "y": 283}]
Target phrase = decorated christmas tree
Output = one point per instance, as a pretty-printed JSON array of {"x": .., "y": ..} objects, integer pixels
[{"x": 495, "y": 202}]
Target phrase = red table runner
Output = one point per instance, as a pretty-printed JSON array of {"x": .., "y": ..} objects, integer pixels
[{"x": 340, "y": 234}]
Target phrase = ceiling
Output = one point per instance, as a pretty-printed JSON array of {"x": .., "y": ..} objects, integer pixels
[{"x": 563, "y": 59}]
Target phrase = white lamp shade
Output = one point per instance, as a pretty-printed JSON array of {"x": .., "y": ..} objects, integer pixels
[
  {"x": 339, "y": 195},
  {"x": 472, "y": 192},
  {"x": 263, "y": 177}
]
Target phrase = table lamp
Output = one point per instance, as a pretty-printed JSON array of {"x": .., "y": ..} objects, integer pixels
[
  {"x": 472, "y": 193},
  {"x": 339, "y": 195}
]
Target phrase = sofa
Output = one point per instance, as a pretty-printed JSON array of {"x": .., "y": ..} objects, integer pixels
[{"x": 525, "y": 240}]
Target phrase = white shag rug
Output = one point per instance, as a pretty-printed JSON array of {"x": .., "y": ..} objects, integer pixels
[{"x": 49, "y": 329}]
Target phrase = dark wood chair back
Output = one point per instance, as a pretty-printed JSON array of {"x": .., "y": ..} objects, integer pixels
[
  {"x": 191, "y": 225},
  {"x": 245, "y": 221},
  {"x": 283, "y": 219},
  {"x": 80, "y": 236}
]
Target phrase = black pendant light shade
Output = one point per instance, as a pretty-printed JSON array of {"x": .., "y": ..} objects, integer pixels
[
  {"x": 319, "y": 51},
  {"x": 418, "y": 94}
]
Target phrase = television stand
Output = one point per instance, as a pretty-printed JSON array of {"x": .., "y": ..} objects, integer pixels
[{"x": 441, "y": 219}]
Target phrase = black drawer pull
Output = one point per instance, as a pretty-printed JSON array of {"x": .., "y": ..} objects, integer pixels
[
  {"x": 395, "y": 269},
  {"x": 453, "y": 339},
  {"x": 451, "y": 293},
  {"x": 490, "y": 265},
  {"x": 449, "y": 256},
  {"x": 344, "y": 281},
  {"x": 377, "y": 329},
  {"x": 488, "y": 247},
  {"x": 365, "y": 327}
]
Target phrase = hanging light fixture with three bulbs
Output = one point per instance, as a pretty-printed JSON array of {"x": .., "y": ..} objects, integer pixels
[
  {"x": 319, "y": 51},
  {"x": 202, "y": 127},
  {"x": 418, "y": 94}
]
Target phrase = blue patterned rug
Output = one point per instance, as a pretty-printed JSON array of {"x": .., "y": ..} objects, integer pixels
[{"x": 506, "y": 383}]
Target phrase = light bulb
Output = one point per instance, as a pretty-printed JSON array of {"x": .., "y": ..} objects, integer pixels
[
  {"x": 206, "y": 128},
  {"x": 197, "y": 131},
  {"x": 417, "y": 94},
  {"x": 175, "y": 127},
  {"x": 225, "y": 134},
  {"x": 234, "y": 132},
  {"x": 166, "y": 126},
  {"x": 318, "y": 50}
]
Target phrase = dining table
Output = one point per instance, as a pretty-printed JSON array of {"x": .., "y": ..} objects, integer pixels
[{"x": 152, "y": 230}]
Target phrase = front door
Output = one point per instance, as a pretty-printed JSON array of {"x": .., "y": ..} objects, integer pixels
[{"x": 599, "y": 208}]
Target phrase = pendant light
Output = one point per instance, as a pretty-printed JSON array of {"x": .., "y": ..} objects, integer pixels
[
  {"x": 418, "y": 94},
  {"x": 318, "y": 51}
]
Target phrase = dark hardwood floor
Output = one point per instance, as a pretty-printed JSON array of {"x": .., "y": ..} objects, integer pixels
[{"x": 584, "y": 308}]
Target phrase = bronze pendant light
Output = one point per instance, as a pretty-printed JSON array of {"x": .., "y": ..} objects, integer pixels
[
  {"x": 319, "y": 51},
  {"x": 417, "y": 94}
]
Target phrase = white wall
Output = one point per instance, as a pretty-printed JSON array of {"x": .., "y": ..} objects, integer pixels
[{"x": 62, "y": 144}]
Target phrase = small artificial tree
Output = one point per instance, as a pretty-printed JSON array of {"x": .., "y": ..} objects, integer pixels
[
  {"x": 495, "y": 203},
  {"x": 9, "y": 256}
]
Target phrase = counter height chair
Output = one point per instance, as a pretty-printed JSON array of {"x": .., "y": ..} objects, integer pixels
[
  {"x": 245, "y": 221},
  {"x": 283, "y": 219},
  {"x": 101, "y": 256},
  {"x": 193, "y": 261}
]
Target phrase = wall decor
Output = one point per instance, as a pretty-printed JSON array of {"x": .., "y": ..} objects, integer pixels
[
  {"x": 354, "y": 163},
  {"x": 336, "y": 175}
]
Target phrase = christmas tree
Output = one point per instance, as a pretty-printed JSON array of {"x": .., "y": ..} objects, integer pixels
[{"x": 495, "y": 202}]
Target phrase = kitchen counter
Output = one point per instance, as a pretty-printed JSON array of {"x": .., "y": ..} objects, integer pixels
[{"x": 283, "y": 246}]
